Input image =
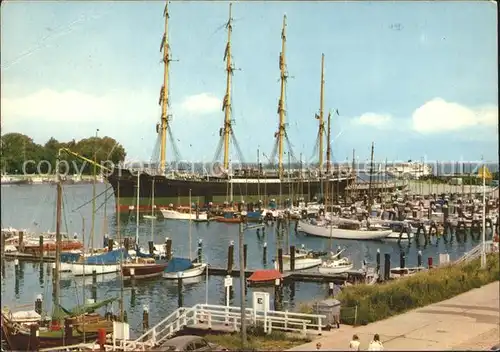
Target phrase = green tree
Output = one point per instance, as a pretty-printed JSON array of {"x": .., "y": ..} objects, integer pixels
[
  {"x": 20, "y": 154},
  {"x": 16, "y": 149},
  {"x": 102, "y": 149}
]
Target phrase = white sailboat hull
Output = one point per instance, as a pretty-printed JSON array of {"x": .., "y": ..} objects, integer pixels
[
  {"x": 300, "y": 263},
  {"x": 78, "y": 269},
  {"x": 325, "y": 231},
  {"x": 196, "y": 270},
  {"x": 332, "y": 269},
  {"x": 176, "y": 215}
]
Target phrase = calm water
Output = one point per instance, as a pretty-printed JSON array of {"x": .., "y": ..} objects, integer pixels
[{"x": 32, "y": 207}]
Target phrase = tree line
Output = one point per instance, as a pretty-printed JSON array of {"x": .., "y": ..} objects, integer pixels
[{"x": 20, "y": 154}]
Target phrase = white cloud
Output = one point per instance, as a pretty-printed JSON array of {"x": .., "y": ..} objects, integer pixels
[
  {"x": 124, "y": 115},
  {"x": 438, "y": 115},
  {"x": 373, "y": 119},
  {"x": 53, "y": 106},
  {"x": 201, "y": 104}
]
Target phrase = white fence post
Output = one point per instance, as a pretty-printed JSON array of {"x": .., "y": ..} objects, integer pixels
[{"x": 355, "y": 315}]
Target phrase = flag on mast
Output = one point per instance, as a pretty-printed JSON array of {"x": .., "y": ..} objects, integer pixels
[{"x": 484, "y": 172}]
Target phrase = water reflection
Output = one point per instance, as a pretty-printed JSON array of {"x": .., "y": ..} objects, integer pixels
[{"x": 22, "y": 285}]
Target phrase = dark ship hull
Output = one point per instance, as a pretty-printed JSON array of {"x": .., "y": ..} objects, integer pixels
[{"x": 215, "y": 190}]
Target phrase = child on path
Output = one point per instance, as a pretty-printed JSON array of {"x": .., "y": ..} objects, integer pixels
[
  {"x": 354, "y": 344},
  {"x": 376, "y": 344}
]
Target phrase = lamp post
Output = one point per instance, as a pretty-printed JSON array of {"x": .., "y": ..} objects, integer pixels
[
  {"x": 243, "y": 327},
  {"x": 483, "y": 234},
  {"x": 242, "y": 228}
]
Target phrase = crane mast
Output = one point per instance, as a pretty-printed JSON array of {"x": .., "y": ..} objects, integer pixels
[
  {"x": 164, "y": 94},
  {"x": 281, "y": 104},
  {"x": 226, "y": 104}
]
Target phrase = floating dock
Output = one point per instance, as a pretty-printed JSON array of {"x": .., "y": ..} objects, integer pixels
[
  {"x": 297, "y": 275},
  {"x": 28, "y": 257}
]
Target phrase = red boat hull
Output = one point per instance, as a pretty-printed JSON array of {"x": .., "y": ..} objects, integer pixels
[
  {"x": 142, "y": 271},
  {"x": 228, "y": 220},
  {"x": 51, "y": 247}
]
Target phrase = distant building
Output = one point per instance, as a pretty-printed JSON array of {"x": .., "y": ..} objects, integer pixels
[
  {"x": 457, "y": 181},
  {"x": 410, "y": 169}
]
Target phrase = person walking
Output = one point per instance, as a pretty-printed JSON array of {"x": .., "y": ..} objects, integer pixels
[
  {"x": 376, "y": 344},
  {"x": 354, "y": 344},
  {"x": 318, "y": 346}
]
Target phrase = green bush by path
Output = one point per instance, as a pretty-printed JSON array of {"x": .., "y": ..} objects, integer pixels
[{"x": 380, "y": 301}]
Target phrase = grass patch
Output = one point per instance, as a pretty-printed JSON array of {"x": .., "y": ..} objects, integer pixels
[
  {"x": 380, "y": 301},
  {"x": 258, "y": 341}
]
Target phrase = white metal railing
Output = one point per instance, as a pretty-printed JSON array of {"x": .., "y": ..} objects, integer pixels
[
  {"x": 271, "y": 320},
  {"x": 161, "y": 331},
  {"x": 223, "y": 315},
  {"x": 475, "y": 252}
]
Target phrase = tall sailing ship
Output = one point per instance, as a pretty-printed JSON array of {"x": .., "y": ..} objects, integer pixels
[{"x": 251, "y": 184}]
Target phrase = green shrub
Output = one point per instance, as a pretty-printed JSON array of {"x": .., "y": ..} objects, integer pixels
[{"x": 380, "y": 301}]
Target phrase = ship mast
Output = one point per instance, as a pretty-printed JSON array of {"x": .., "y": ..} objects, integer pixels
[
  {"x": 328, "y": 159},
  {"x": 226, "y": 104},
  {"x": 329, "y": 145},
  {"x": 320, "y": 117},
  {"x": 164, "y": 94},
  {"x": 281, "y": 104}
]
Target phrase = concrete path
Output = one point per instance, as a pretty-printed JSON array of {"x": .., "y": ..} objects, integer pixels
[{"x": 469, "y": 321}]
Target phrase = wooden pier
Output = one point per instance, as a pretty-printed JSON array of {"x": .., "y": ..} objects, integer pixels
[
  {"x": 29, "y": 257},
  {"x": 310, "y": 275}
]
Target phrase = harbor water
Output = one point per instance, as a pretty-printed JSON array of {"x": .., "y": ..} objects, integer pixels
[{"x": 32, "y": 207}]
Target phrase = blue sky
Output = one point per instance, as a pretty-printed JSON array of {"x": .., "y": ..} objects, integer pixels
[{"x": 417, "y": 78}]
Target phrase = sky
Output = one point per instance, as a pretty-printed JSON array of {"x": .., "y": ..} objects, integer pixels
[{"x": 419, "y": 79}]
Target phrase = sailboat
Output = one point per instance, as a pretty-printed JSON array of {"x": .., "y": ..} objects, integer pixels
[
  {"x": 85, "y": 323},
  {"x": 184, "y": 267},
  {"x": 183, "y": 213},
  {"x": 153, "y": 206},
  {"x": 142, "y": 266},
  {"x": 158, "y": 249},
  {"x": 335, "y": 264},
  {"x": 105, "y": 263},
  {"x": 304, "y": 259}
]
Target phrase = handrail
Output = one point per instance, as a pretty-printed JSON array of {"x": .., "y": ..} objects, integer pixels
[{"x": 218, "y": 314}]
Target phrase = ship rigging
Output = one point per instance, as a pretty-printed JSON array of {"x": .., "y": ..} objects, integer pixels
[{"x": 247, "y": 184}]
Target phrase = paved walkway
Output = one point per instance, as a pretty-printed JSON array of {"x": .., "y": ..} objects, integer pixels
[{"x": 469, "y": 321}]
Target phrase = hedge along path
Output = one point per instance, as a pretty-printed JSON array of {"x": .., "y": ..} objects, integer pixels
[{"x": 380, "y": 301}]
